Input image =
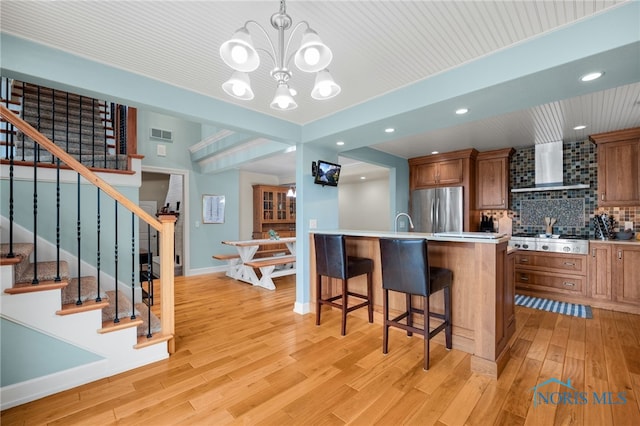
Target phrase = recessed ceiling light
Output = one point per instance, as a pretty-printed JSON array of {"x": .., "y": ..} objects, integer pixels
[
  {"x": 435, "y": 152},
  {"x": 462, "y": 111},
  {"x": 340, "y": 143},
  {"x": 580, "y": 127},
  {"x": 591, "y": 76},
  {"x": 362, "y": 177},
  {"x": 389, "y": 130}
]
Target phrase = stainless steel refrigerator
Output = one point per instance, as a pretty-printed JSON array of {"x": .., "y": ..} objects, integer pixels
[{"x": 437, "y": 209}]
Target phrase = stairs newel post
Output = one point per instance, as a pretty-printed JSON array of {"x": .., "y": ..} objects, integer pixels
[{"x": 167, "y": 301}]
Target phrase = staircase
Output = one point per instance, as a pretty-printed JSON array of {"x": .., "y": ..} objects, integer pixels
[
  {"x": 61, "y": 293},
  {"x": 82, "y": 126}
]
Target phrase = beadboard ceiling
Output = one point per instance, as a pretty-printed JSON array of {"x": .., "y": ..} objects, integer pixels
[{"x": 378, "y": 48}]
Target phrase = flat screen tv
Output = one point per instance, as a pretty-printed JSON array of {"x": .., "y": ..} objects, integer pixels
[{"x": 327, "y": 173}]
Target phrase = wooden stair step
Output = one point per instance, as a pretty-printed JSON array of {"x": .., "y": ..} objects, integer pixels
[{"x": 41, "y": 286}]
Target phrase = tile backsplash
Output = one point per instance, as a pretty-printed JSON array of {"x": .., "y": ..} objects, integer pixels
[{"x": 574, "y": 208}]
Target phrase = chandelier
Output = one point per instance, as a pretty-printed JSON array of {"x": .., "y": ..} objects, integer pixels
[{"x": 312, "y": 56}]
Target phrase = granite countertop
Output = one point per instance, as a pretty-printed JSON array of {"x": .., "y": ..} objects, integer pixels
[{"x": 463, "y": 237}]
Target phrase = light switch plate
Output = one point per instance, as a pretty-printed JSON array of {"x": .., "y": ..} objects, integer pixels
[
  {"x": 162, "y": 150},
  {"x": 313, "y": 223}
]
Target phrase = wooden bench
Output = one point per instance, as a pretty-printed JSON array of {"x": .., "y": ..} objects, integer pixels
[
  {"x": 267, "y": 269},
  {"x": 234, "y": 265}
]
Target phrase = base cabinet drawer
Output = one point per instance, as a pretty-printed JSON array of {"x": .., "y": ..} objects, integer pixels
[{"x": 566, "y": 284}]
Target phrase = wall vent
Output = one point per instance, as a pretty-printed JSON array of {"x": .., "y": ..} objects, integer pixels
[{"x": 161, "y": 135}]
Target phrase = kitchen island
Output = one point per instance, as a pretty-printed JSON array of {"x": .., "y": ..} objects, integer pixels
[{"x": 482, "y": 292}]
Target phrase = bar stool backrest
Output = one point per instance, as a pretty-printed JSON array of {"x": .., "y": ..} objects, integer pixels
[
  {"x": 405, "y": 265},
  {"x": 331, "y": 255}
]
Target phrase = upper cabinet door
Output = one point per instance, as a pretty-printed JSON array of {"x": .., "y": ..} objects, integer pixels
[
  {"x": 618, "y": 168},
  {"x": 450, "y": 172},
  {"x": 492, "y": 181},
  {"x": 426, "y": 175},
  {"x": 444, "y": 173}
]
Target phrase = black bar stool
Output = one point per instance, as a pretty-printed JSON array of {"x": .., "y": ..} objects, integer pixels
[
  {"x": 332, "y": 261},
  {"x": 405, "y": 269}
]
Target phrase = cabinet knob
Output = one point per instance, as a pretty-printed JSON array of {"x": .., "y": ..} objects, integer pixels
[
  {"x": 620, "y": 254},
  {"x": 569, "y": 264},
  {"x": 569, "y": 284},
  {"x": 524, "y": 277},
  {"x": 593, "y": 252},
  {"x": 602, "y": 196}
]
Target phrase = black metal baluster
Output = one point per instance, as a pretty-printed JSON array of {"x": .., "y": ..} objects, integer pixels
[
  {"x": 116, "y": 319},
  {"x": 98, "y": 298},
  {"x": 93, "y": 132},
  {"x": 67, "y": 129},
  {"x": 53, "y": 120},
  {"x": 149, "y": 282},
  {"x": 22, "y": 116},
  {"x": 80, "y": 133},
  {"x": 11, "y": 254},
  {"x": 37, "y": 146},
  {"x": 6, "y": 104},
  {"x": 133, "y": 264},
  {"x": 35, "y": 280},
  {"x": 104, "y": 126},
  {"x": 78, "y": 223},
  {"x": 57, "y": 279}
]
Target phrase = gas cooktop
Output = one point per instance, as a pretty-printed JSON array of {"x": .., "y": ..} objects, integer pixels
[
  {"x": 553, "y": 236},
  {"x": 575, "y": 244}
]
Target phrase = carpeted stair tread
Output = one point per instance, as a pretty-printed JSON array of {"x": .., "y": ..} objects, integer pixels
[
  {"x": 88, "y": 291},
  {"x": 143, "y": 329},
  {"x": 47, "y": 271},
  {"x": 124, "y": 306},
  {"x": 21, "y": 251}
]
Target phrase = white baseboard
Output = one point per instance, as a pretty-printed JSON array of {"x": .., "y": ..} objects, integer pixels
[{"x": 302, "y": 308}]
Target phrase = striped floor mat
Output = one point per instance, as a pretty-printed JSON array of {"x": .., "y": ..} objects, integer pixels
[{"x": 581, "y": 311}]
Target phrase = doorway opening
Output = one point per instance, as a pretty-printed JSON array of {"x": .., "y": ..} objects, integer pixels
[{"x": 165, "y": 189}]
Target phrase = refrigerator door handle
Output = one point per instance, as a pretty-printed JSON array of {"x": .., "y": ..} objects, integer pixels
[
  {"x": 437, "y": 222},
  {"x": 433, "y": 224}
]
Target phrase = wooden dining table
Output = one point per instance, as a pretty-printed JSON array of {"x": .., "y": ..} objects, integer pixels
[{"x": 247, "y": 250}]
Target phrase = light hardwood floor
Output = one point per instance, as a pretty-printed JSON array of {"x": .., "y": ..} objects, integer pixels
[{"x": 244, "y": 357}]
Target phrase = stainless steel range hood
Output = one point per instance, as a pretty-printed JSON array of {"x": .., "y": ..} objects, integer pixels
[{"x": 548, "y": 168}]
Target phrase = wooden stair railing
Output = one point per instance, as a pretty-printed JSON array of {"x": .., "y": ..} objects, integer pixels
[{"x": 164, "y": 223}]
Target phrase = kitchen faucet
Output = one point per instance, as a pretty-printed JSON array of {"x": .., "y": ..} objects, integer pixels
[{"x": 395, "y": 225}]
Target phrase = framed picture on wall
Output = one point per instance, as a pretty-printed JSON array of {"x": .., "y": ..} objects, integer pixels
[{"x": 213, "y": 209}]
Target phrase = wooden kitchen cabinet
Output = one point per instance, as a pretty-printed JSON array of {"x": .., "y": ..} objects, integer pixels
[
  {"x": 492, "y": 179},
  {"x": 444, "y": 173},
  {"x": 551, "y": 272},
  {"x": 510, "y": 295},
  {"x": 600, "y": 271},
  {"x": 456, "y": 168},
  {"x": 618, "y": 167},
  {"x": 448, "y": 169},
  {"x": 272, "y": 209},
  {"x": 625, "y": 273}
]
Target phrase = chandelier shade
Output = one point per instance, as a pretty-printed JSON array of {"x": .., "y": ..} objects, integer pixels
[
  {"x": 238, "y": 86},
  {"x": 324, "y": 87},
  {"x": 283, "y": 99},
  {"x": 238, "y": 52},
  {"x": 313, "y": 56}
]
